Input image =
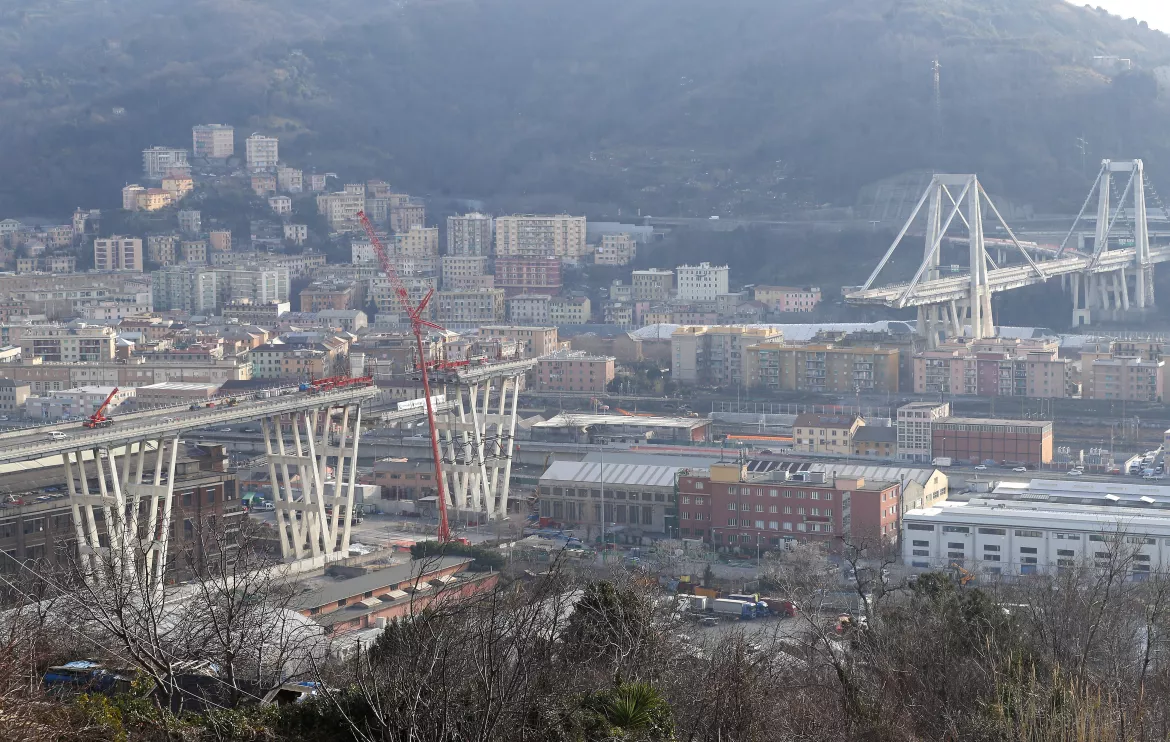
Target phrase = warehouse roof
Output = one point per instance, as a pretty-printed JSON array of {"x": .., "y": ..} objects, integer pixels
[
  {"x": 584, "y": 420},
  {"x": 618, "y": 475},
  {"x": 419, "y": 569},
  {"x": 1080, "y": 518}
]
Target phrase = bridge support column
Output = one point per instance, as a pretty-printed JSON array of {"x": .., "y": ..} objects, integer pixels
[
  {"x": 125, "y": 547},
  {"x": 306, "y": 529},
  {"x": 478, "y": 438},
  {"x": 1081, "y": 314}
]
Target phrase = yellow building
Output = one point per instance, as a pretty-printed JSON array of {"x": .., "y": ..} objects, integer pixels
[
  {"x": 178, "y": 186},
  {"x": 570, "y": 310},
  {"x": 153, "y": 199},
  {"x": 822, "y": 368},
  {"x": 825, "y": 433}
]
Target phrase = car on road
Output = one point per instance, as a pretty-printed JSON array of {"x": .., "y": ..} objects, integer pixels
[
  {"x": 1075, "y": 472},
  {"x": 1020, "y": 468},
  {"x": 981, "y": 467},
  {"x": 225, "y": 430},
  {"x": 167, "y": 420},
  {"x": 57, "y": 435}
]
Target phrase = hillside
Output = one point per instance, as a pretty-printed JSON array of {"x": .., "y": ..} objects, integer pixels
[{"x": 670, "y": 106}]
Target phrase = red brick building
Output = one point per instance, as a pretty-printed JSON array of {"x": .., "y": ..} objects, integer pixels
[
  {"x": 730, "y": 507},
  {"x": 1000, "y": 441},
  {"x": 526, "y": 275}
]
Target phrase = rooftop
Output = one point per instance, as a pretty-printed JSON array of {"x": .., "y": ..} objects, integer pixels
[
  {"x": 580, "y": 420},
  {"x": 1038, "y": 424},
  {"x": 876, "y": 434},
  {"x": 618, "y": 475},
  {"x": 337, "y": 590},
  {"x": 1074, "y": 518}
]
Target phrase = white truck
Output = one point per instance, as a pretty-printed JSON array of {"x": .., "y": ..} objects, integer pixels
[
  {"x": 741, "y": 609},
  {"x": 942, "y": 461}
]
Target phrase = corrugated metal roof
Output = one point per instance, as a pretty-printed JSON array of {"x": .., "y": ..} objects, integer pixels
[
  {"x": 627, "y": 475},
  {"x": 880, "y": 473}
]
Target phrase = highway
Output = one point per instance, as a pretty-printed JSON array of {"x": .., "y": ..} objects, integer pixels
[{"x": 35, "y": 443}]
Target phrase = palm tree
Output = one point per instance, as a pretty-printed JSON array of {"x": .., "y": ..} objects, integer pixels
[{"x": 630, "y": 712}]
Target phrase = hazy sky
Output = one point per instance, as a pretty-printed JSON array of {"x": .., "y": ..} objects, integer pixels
[{"x": 1154, "y": 12}]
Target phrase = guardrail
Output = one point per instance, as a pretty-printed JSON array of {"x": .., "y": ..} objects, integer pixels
[{"x": 191, "y": 420}]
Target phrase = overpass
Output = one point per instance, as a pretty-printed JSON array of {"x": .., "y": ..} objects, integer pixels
[
  {"x": 109, "y": 480},
  {"x": 1098, "y": 281}
]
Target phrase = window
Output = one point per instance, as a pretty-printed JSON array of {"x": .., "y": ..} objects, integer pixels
[
  {"x": 955, "y": 555},
  {"x": 955, "y": 545},
  {"x": 731, "y": 521},
  {"x": 1069, "y": 536},
  {"x": 773, "y": 493},
  {"x": 787, "y": 526},
  {"x": 773, "y": 509},
  {"x": 1029, "y": 534},
  {"x": 956, "y": 529},
  {"x": 759, "y": 524},
  {"x": 829, "y": 512},
  {"x": 686, "y": 500},
  {"x": 1027, "y": 550},
  {"x": 731, "y": 506},
  {"x": 800, "y": 511},
  {"x": 990, "y": 547},
  {"x": 1027, "y": 560},
  {"x": 993, "y": 531},
  {"x": 1065, "y": 552},
  {"x": 919, "y": 527},
  {"x": 698, "y": 485},
  {"x": 1141, "y": 540},
  {"x": 921, "y": 543},
  {"x": 921, "y": 552},
  {"x": 815, "y": 511},
  {"x": 759, "y": 508},
  {"x": 991, "y": 557},
  {"x": 773, "y": 525}
]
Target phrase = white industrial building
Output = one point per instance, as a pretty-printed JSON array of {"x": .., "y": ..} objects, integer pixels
[
  {"x": 702, "y": 282},
  {"x": 1019, "y": 531}
]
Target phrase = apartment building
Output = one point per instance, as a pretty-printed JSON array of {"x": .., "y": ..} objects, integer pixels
[
  {"x": 220, "y": 240},
  {"x": 529, "y": 309},
  {"x": 190, "y": 221},
  {"x": 619, "y": 313},
  {"x": 467, "y": 310},
  {"x": 574, "y": 371},
  {"x": 465, "y": 272},
  {"x": 916, "y": 429},
  {"x": 788, "y": 298},
  {"x": 470, "y": 234},
  {"x": 715, "y": 355},
  {"x": 80, "y": 402},
  {"x": 652, "y": 284},
  {"x": 340, "y": 209},
  {"x": 261, "y": 152},
  {"x": 280, "y": 205},
  {"x": 324, "y": 295},
  {"x": 1129, "y": 379},
  {"x": 67, "y": 343},
  {"x": 193, "y": 252},
  {"x": 290, "y": 179},
  {"x": 162, "y": 249},
  {"x": 178, "y": 186},
  {"x": 560, "y": 236},
  {"x": 13, "y": 395},
  {"x": 734, "y": 508},
  {"x": 998, "y": 367},
  {"x": 213, "y": 141},
  {"x": 293, "y": 362},
  {"x": 64, "y": 296},
  {"x": 263, "y": 184},
  {"x": 702, "y": 282},
  {"x": 117, "y": 253},
  {"x": 201, "y": 289},
  {"x": 418, "y": 242},
  {"x": 296, "y": 233},
  {"x": 528, "y": 275},
  {"x": 44, "y": 377},
  {"x": 534, "y": 341},
  {"x": 832, "y": 434},
  {"x": 158, "y": 162},
  {"x": 47, "y": 264},
  {"x": 993, "y": 440},
  {"x": 569, "y": 310},
  {"x": 407, "y": 216},
  {"x": 615, "y": 249},
  {"x": 255, "y": 314},
  {"x": 822, "y": 367}
]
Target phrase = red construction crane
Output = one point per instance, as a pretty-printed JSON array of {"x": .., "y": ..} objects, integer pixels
[
  {"x": 417, "y": 325},
  {"x": 98, "y": 418}
]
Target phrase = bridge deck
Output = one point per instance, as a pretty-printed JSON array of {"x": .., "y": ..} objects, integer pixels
[
  {"x": 954, "y": 288},
  {"x": 34, "y": 443}
]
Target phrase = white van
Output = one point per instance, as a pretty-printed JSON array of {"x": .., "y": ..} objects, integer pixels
[
  {"x": 57, "y": 435},
  {"x": 264, "y": 505}
]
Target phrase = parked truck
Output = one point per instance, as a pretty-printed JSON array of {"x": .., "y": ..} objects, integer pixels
[
  {"x": 741, "y": 609},
  {"x": 942, "y": 461}
]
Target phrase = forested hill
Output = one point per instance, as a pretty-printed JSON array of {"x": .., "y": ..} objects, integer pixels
[{"x": 671, "y": 106}]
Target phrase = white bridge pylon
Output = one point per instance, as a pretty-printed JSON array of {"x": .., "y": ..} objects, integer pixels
[
  {"x": 314, "y": 517},
  {"x": 1105, "y": 291},
  {"x": 948, "y": 197},
  {"x": 477, "y": 440}
]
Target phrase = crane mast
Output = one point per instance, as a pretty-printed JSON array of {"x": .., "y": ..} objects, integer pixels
[{"x": 417, "y": 325}]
